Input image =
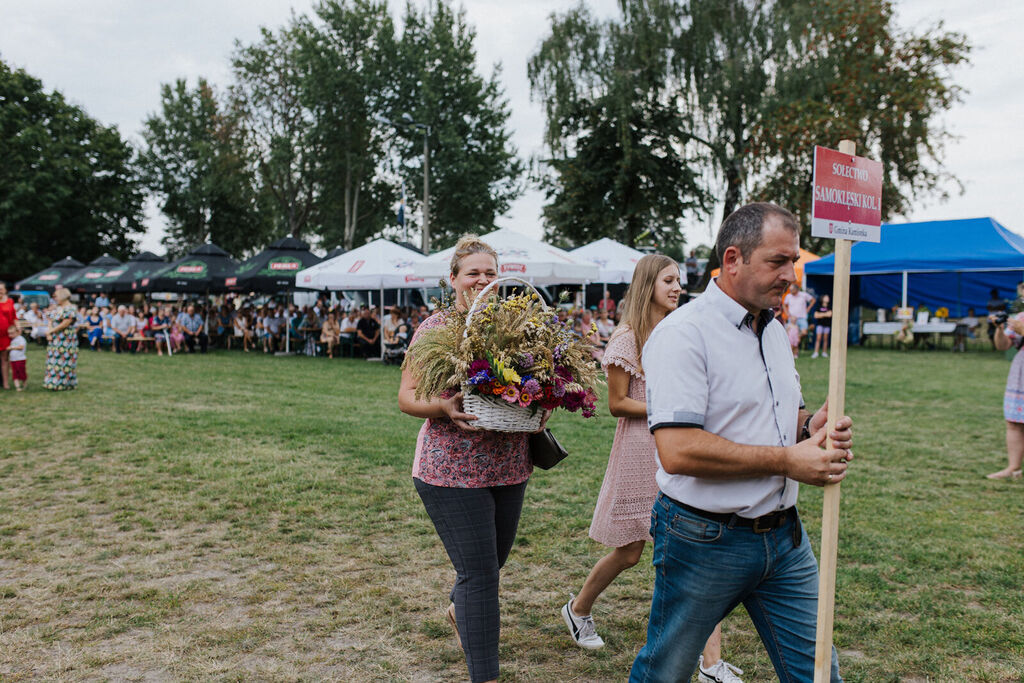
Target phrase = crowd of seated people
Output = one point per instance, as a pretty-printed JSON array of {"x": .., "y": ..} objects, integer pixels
[{"x": 324, "y": 328}]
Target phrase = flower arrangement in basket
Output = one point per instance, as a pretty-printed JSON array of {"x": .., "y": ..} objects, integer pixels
[{"x": 511, "y": 357}]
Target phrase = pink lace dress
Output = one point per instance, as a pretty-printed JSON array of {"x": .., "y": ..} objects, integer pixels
[{"x": 623, "y": 511}]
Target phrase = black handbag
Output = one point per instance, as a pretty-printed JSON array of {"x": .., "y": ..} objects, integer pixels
[{"x": 545, "y": 451}]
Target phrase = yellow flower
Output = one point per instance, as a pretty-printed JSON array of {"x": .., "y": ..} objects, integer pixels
[{"x": 511, "y": 376}]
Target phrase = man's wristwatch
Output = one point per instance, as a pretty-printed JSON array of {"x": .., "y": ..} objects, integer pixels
[{"x": 805, "y": 433}]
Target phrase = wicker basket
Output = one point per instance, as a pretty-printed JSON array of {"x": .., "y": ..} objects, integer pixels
[
  {"x": 494, "y": 413},
  {"x": 497, "y": 415}
]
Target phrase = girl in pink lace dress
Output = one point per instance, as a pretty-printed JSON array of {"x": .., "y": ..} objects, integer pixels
[{"x": 622, "y": 517}]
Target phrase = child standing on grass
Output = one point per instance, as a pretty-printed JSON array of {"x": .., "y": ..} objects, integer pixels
[
  {"x": 17, "y": 349},
  {"x": 794, "y": 337}
]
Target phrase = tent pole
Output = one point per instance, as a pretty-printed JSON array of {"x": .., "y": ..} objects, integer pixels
[
  {"x": 380, "y": 338},
  {"x": 959, "y": 305},
  {"x": 904, "y": 289}
]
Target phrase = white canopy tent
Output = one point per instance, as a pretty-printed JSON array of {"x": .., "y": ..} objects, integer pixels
[
  {"x": 377, "y": 265},
  {"x": 520, "y": 256},
  {"x": 614, "y": 260}
]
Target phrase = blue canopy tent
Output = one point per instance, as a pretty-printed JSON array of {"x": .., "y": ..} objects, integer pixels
[{"x": 953, "y": 263}]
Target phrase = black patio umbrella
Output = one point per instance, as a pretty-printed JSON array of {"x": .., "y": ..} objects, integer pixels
[
  {"x": 96, "y": 276},
  {"x": 201, "y": 271},
  {"x": 48, "y": 278},
  {"x": 273, "y": 269},
  {"x": 136, "y": 272},
  {"x": 337, "y": 251}
]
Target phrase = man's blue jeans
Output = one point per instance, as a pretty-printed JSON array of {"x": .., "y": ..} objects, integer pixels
[{"x": 703, "y": 569}]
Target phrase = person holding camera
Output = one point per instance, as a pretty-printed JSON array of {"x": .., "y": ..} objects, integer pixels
[{"x": 1010, "y": 331}]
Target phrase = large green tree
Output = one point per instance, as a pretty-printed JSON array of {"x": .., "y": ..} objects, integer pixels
[
  {"x": 347, "y": 57},
  {"x": 622, "y": 163},
  {"x": 195, "y": 161},
  {"x": 757, "y": 83},
  {"x": 850, "y": 73},
  {"x": 267, "y": 94},
  {"x": 68, "y": 185},
  {"x": 475, "y": 173}
]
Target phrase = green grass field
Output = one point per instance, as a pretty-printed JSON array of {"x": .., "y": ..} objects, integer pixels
[{"x": 236, "y": 517}]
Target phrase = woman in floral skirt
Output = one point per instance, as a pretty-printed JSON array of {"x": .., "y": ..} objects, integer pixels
[{"x": 62, "y": 348}]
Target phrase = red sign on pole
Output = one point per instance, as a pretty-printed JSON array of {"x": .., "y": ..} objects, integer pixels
[{"x": 847, "y": 201}]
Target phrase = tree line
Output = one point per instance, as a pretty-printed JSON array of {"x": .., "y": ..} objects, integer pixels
[
  {"x": 304, "y": 140},
  {"x": 678, "y": 104},
  {"x": 652, "y": 117}
]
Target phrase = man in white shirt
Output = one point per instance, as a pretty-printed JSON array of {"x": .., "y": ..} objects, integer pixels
[
  {"x": 733, "y": 438},
  {"x": 273, "y": 324},
  {"x": 123, "y": 326}
]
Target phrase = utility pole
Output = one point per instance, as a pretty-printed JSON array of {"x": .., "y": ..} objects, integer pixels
[
  {"x": 426, "y": 188},
  {"x": 404, "y": 124}
]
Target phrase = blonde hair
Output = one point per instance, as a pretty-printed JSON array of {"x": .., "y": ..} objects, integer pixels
[
  {"x": 61, "y": 294},
  {"x": 470, "y": 244},
  {"x": 636, "y": 304}
]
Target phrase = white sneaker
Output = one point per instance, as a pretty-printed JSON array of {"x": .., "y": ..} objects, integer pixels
[
  {"x": 814, "y": 355},
  {"x": 721, "y": 672},
  {"x": 581, "y": 629},
  {"x": 824, "y": 354}
]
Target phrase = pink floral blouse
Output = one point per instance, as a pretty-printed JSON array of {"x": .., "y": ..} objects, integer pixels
[{"x": 456, "y": 458}]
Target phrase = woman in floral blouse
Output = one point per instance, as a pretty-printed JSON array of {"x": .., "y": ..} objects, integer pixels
[{"x": 471, "y": 482}]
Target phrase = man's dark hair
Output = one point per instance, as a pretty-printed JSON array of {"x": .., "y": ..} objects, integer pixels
[{"x": 743, "y": 228}]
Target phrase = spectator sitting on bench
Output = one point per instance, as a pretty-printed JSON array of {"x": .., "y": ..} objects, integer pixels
[
  {"x": 225, "y": 320},
  {"x": 330, "y": 333},
  {"x": 123, "y": 326},
  {"x": 160, "y": 328},
  {"x": 368, "y": 335},
  {"x": 390, "y": 325},
  {"x": 94, "y": 329},
  {"x": 35, "y": 318},
  {"x": 349, "y": 330},
  {"x": 272, "y": 324},
  {"x": 194, "y": 329}
]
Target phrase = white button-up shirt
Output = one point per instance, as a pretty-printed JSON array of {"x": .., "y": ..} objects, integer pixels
[{"x": 706, "y": 367}]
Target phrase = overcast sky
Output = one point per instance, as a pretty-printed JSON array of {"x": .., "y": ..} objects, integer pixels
[{"x": 111, "y": 56}]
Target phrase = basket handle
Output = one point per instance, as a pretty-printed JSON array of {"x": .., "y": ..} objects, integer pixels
[{"x": 480, "y": 297}]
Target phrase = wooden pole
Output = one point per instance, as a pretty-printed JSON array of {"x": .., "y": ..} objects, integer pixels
[{"x": 836, "y": 409}]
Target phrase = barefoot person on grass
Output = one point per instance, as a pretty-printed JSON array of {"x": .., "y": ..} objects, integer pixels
[
  {"x": 471, "y": 481},
  {"x": 622, "y": 518},
  {"x": 1011, "y": 333}
]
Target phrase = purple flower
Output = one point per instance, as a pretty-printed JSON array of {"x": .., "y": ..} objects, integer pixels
[
  {"x": 573, "y": 400},
  {"x": 527, "y": 360},
  {"x": 532, "y": 387},
  {"x": 480, "y": 377},
  {"x": 589, "y": 403},
  {"x": 479, "y": 365}
]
